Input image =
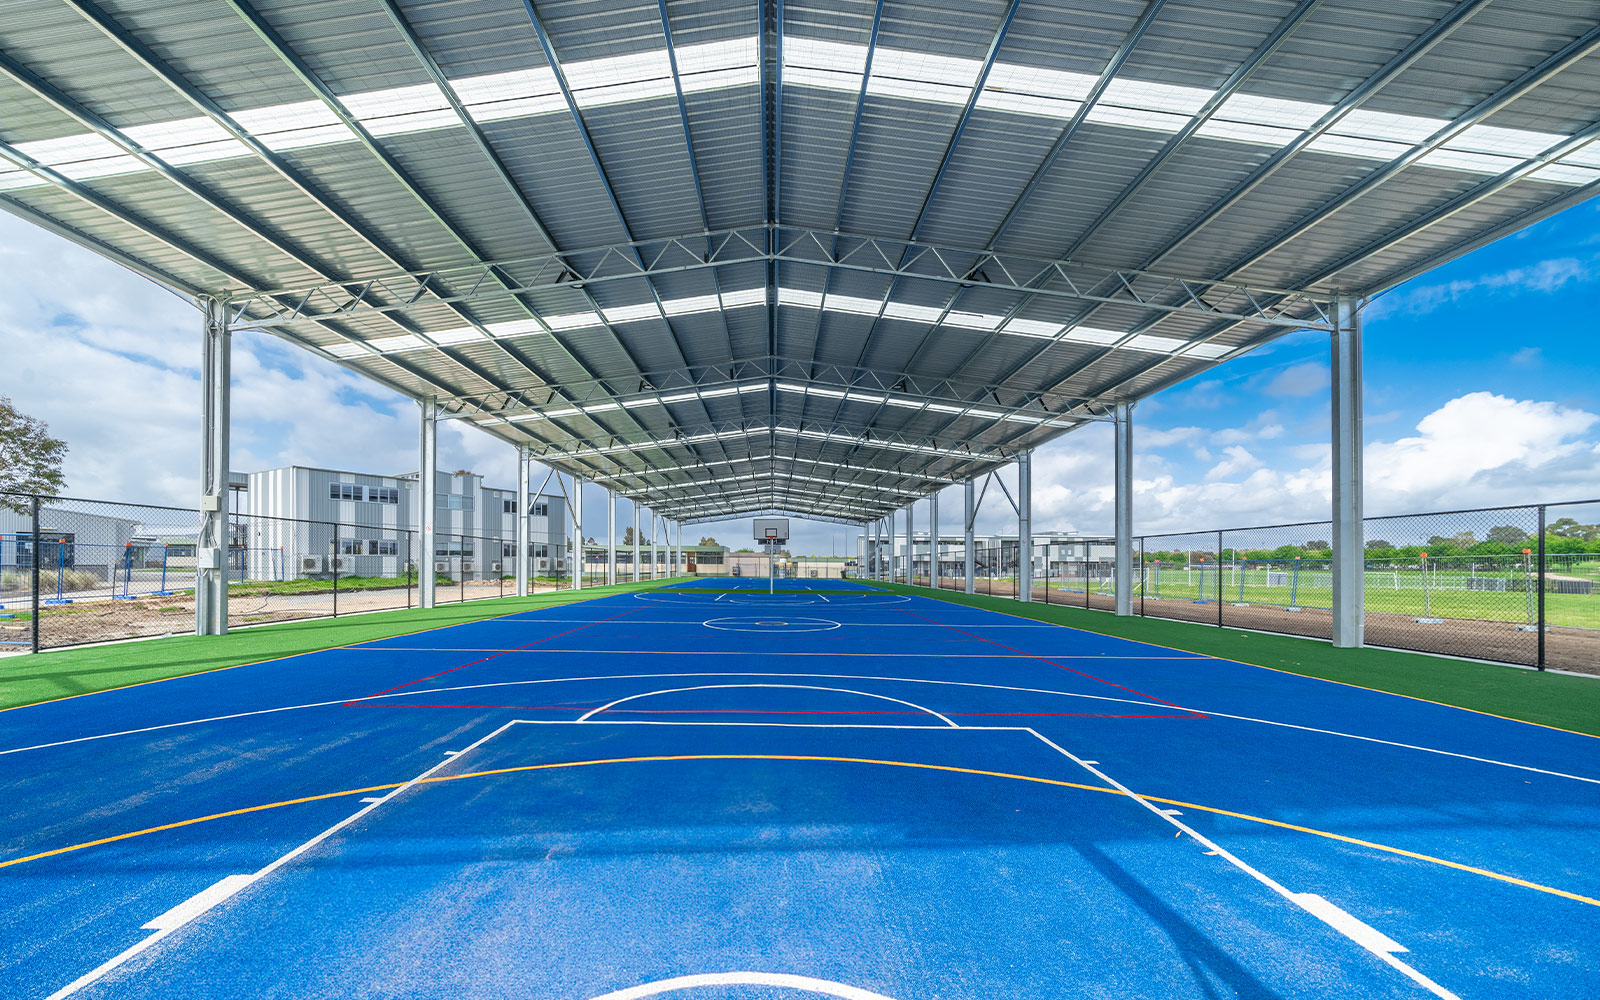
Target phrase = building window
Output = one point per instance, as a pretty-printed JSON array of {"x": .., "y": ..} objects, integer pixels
[
  {"x": 455, "y": 501},
  {"x": 508, "y": 550},
  {"x": 508, "y": 506},
  {"x": 344, "y": 491},
  {"x": 453, "y": 548},
  {"x": 383, "y": 494},
  {"x": 541, "y": 510},
  {"x": 351, "y": 546}
]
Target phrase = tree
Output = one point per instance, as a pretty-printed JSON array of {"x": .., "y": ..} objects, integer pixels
[
  {"x": 30, "y": 459},
  {"x": 1318, "y": 543},
  {"x": 708, "y": 541},
  {"x": 1507, "y": 534},
  {"x": 1566, "y": 527},
  {"x": 627, "y": 535},
  {"x": 1378, "y": 543}
]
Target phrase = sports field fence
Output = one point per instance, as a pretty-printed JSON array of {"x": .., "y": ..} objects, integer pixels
[
  {"x": 1511, "y": 584},
  {"x": 76, "y": 571}
]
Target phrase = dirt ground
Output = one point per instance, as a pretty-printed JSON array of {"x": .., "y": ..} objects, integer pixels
[
  {"x": 104, "y": 619},
  {"x": 1572, "y": 649}
]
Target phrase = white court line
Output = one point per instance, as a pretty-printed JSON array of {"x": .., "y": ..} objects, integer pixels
[
  {"x": 805, "y": 984},
  {"x": 1369, "y": 939},
  {"x": 867, "y": 677},
  {"x": 185, "y": 912},
  {"x": 689, "y": 621},
  {"x": 585, "y": 717}
]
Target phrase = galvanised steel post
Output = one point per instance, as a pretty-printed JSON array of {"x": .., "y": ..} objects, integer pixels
[
  {"x": 522, "y": 510},
  {"x": 911, "y": 543},
  {"x": 1025, "y": 526},
  {"x": 611, "y": 538},
  {"x": 1122, "y": 569},
  {"x": 933, "y": 539},
  {"x": 637, "y": 531},
  {"x": 577, "y": 531},
  {"x": 428, "y": 500},
  {"x": 37, "y": 551},
  {"x": 1349, "y": 556},
  {"x": 968, "y": 542},
  {"x": 211, "y": 548}
]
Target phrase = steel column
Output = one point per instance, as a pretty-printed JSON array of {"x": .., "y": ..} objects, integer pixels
[
  {"x": 655, "y": 520},
  {"x": 1122, "y": 473},
  {"x": 611, "y": 539},
  {"x": 577, "y": 532},
  {"x": 970, "y": 571},
  {"x": 911, "y": 542},
  {"x": 428, "y": 499},
  {"x": 637, "y": 531},
  {"x": 1025, "y": 526},
  {"x": 523, "y": 511},
  {"x": 211, "y": 549},
  {"x": 1349, "y": 613},
  {"x": 933, "y": 539}
]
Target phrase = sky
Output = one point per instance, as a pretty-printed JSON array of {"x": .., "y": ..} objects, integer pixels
[{"x": 1482, "y": 388}]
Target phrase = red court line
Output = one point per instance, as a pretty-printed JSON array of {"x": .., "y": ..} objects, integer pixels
[
  {"x": 1062, "y": 666},
  {"x": 485, "y": 659},
  {"x": 775, "y": 711}
]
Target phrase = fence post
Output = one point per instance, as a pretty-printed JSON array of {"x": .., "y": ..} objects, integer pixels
[
  {"x": 37, "y": 551},
  {"x": 1539, "y": 626},
  {"x": 410, "y": 565},
  {"x": 335, "y": 559},
  {"x": 1219, "y": 579}
]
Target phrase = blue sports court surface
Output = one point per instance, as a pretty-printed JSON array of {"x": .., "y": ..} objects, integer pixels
[{"x": 715, "y": 794}]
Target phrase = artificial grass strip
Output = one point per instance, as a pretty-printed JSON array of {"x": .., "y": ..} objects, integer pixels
[
  {"x": 62, "y": 673},
  {"x": 1549, "y": 699}
]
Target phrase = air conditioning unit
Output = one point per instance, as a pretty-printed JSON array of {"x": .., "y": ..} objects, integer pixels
[
  {"x": 541, "y": 565},
  {"x": 441, "y": 567},
  {"x": 339, "y": 564},
  {"x": 311, "y": 564},
  {"x": 466, "y": 565},
  {"x": 494, "y": 567}
]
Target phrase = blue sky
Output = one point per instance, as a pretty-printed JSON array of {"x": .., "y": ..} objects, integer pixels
[{"x": 1483, "y": 388}]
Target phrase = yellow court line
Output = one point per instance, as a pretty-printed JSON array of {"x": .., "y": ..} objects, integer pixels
[
  {"x": 440, "y": 779},
  {"x": 1276, "y": 670},
  {"x": 308, "y": 652}
]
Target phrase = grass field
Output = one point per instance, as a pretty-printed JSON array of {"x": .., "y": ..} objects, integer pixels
[{"x": 1550, "y": 699}]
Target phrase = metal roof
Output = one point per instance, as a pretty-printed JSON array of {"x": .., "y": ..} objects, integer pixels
[{"x": 811, "y": 257}]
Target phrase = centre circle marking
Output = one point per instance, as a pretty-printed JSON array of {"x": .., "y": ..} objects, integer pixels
[{"x": 772, "y": 625}]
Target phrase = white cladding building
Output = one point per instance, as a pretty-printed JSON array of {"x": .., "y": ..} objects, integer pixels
[{"x": 308, "y": 522}]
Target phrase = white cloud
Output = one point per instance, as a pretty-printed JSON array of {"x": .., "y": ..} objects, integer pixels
[
  {"x": 1162, "y": 438},
  {"x": 1542, "y": 278},
  {"x": 1239, "y": 461},
  {"x": 1299, "y": 380},
  {"x": 1479, "y": 449}
]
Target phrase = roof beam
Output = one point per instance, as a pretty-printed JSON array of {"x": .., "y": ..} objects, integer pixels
[{"x": 1066, "y": 280}]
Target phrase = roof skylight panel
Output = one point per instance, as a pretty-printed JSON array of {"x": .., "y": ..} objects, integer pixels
[
  {"x": 399, "y": 110},
  {"x": 744, "y": 297},
  {"x": 405, "y": 342},
  {"x": 1152, "y": 343},
  {"x": 614, "y": 79},
  {"x": 515, "y": 328},
  {"x": 1032, "y": 328},
  {"x": 631, "y": 313},
  {"x": 690, "y": 305},
  {"x": 69, "y": 149},
  {"x": 1140, "y": 118},
  {"x": 731, "y": 62},
  {"x": 346, "y": 350},
  {"x": 573, "y": 321},
  {"x": 1208, "y": 351},
  {"x": 973, "y": 321},
  {"x": 187, "y": 140},
  {"x": 1478, "y": 163},
  {"x": 1093, "y": 335},
  {"x": 922, "y": 76},
  {"x": 459, "y": 335},
  {"x": 852, "y": 304},
  {"x": 15, "y": 177},
  {"x": 293, "y": 126},
  {"x": 799, "y": 297},
  {"x": 519, "y": 93},
  {"x": 1563, "y": 173},
  {"x": 913, "y": 312}
]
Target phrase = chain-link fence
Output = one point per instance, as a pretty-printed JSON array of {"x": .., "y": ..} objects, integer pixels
[
  {"x": 1512, "y": 584},
  {"x": 76, "y": 571}
]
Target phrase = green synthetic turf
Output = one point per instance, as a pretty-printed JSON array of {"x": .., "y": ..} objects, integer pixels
[
  {"x": 1560, "y": 700},
  {"x": 27, "y": 680}
]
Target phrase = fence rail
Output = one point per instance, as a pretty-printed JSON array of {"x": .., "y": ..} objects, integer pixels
[
  {"x": 1512, "y": 584},
  {"x": 76, "y": 571}
]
